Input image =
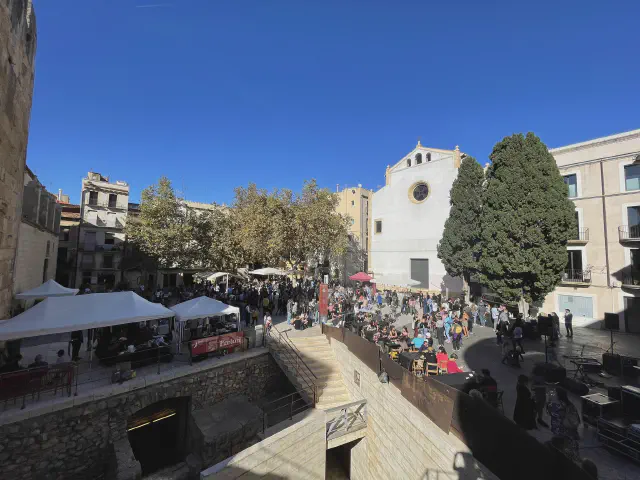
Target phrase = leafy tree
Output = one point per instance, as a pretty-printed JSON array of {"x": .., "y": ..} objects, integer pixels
[
  {"x": 526, "y": 221},
  {"x": 459, "y": 247},
  {"x": 166, "y": 229}
]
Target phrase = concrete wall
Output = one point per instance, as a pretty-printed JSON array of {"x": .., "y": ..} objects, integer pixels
[
  {"x": 17, "y": 55},
  {"x": 401, "y": 442},
  {"x": 73, "y": 439},
  {"x": 32, "y": 252},
  {"x": 297, "y": 452},
  {"x": 411, "y": 229},
  {"x": 616, "y": 152}
]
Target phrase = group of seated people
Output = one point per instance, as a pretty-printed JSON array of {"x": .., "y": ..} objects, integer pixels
[
  {"x": 133, "y": 340},
  {"x": 439, "y": 357}
]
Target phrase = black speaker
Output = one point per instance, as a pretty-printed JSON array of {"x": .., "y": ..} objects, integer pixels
[
  {"x": 611, "y": 321},
  {"x": 612, "y": 363},
  {"x": 545, "y": 325},
  {"x": 552, "y": 373},
  {"x": 575, "y": 386}
]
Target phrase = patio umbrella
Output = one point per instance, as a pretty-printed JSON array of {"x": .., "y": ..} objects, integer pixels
[{"x": 360, "y": 277}]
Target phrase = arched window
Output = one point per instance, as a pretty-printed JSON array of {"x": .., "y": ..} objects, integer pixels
[
  {"x": 428, "y": 156},
  {"x": 418, "y": 158},
  {"x": 408, "y": 162}
]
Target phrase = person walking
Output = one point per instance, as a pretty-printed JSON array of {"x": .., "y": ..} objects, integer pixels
[
  {"x": 495, "y": 313},
  {"x": 568, "y": 319},
  {"x": 482, "y": 311}
]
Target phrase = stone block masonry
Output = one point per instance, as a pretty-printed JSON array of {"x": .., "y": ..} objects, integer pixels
[
  {"x": 17, "y": 55},
  {"x": 77, "y": 442},
  {"x": 400, "y": 441}
]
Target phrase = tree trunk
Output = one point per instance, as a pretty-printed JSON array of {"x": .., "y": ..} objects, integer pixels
[{"x": 465, "y": 287}]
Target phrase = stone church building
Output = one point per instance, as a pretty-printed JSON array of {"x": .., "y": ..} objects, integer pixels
[{"x": 408, "y": 219}]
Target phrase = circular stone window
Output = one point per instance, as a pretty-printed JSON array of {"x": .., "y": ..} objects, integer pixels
[{"x": 419, "y": 192}]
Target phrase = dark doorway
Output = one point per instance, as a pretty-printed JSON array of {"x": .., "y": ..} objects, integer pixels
[
  {"x": 338, "y": 466},
  {"x": 169, "y": 279},
  {"x": 420, "y": 272},
  {"x": 158, "y": 433}
]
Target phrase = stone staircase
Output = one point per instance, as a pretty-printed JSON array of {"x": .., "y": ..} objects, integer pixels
[{"x": 316, "y": 354}]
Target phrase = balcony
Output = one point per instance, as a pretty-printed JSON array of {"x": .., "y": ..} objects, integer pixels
[
  {"x": 580, "y": 237},
  {"x": 631, "y": 278},
  {"x": 100, "y": 248},
  {"x": 109, "y": 266},
  {"x": 576, "y": 277},
  {"x": 629, "y": 233},
  {"x": 109, "y": 205}
]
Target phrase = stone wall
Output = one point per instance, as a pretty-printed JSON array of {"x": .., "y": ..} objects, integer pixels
[
  {"x": 17, "y": 55},
  {"x": 401, "y": 442},
  {"x": 297, "y": 452},
  {"x": 76, "y": 443},
  {"x": 31, "y": 255}
]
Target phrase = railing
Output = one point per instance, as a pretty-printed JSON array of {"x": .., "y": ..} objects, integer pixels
[
  {"x": 34, "y": 381},
  {"x": 111, "y": 205},
  {"x": 100, "y": 248},
  {"x": 631, "y": 277},
  {"x": 346, "y": 419},
  {"x": 576, "y": 276},
  {"x": 581, "y": 235},
  {"x": 629, "y": 232},
  {"x": 295, "y": 403},
  {"x": 287, "y": 350}
]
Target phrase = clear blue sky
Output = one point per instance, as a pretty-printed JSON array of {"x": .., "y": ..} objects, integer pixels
[{"x": 218, "y": 93}]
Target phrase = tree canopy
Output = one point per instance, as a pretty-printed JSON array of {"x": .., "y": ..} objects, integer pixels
[
  {"x": 260, "y": 228},
  {"x": 526, "y": 220},
  {"x": 459, "y": 247}
]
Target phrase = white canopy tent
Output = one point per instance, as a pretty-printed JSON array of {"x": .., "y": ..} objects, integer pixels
[
  {"x": 202, "y": 307},
  {"x": 82, "y": 312},
  {"x": 268, "y": 271},
  {"x": 50, "y": 288}
]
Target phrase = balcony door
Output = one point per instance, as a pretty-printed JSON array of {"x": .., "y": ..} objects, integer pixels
[
  {"x": 633, "y": 220},
  {"x": 574, "y": 260}
]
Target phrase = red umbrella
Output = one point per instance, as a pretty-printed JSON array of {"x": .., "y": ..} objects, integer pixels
[{"x": 360, "y": 277}]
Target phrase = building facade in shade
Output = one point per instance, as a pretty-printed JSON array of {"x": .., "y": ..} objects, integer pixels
[
  {"x": 103, "y": 216},
  {"x": 408, "y": 217},
  {"x": 603, "y": 258},
  {"x": 17, "y": 68},
  {"x": 36, "y": 258},
  {"x": 68, "y": 242},
  {"x": 356, "y": 203}
]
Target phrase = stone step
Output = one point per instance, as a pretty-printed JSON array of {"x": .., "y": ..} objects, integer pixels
[
  {"x": 310, "y": 339},
  {"x": 333, "y": 399}
]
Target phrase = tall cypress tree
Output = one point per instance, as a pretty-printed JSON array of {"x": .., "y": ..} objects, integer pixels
[
  {"x": 527, "y": 220},
  {"x": 458, "y": 248}
]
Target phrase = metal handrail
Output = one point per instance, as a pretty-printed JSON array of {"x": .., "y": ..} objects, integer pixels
[
  {"x": 298, "y": 352},
  {"x": 304, "y": 376}
]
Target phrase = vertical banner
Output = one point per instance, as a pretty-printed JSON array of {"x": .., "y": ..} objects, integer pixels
[{"x": 323, "y": 302}]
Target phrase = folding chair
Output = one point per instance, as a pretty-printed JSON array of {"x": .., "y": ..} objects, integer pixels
[
  {"x": 432, "y": 369},
  {"x": 418, "y": 368}
]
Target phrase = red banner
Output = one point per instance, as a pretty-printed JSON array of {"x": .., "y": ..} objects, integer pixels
[
  {"x": 211, "y": 344},
  {"x": 323, "y": 300}
]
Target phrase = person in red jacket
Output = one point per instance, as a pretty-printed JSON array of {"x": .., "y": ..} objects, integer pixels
[{"x": 452, "y": 366}]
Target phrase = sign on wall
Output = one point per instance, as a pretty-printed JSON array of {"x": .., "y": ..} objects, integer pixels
[
  {"x": 323, "y": 301},
  {"x": 203, "y": 346}
]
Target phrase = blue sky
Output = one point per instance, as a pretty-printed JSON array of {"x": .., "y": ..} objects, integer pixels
[{"x": 218, "y": 93}]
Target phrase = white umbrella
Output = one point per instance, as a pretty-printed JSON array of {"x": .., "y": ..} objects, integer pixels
[
  {"x": 268, "y": 271},
  {"x": 50, "y": 288}
]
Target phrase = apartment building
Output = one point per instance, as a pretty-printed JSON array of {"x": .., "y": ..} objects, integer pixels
[
  {"x": 37, "y": 236},
  {"x": 68, "y": 241},
  {"x": 356, "y": 203},
  {"x": 103, "y": 216},
  {"x": 603, "y": 258}
]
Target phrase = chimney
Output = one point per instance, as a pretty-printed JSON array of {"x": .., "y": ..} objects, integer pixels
[
  {"x": 59, "y": 194},
  {"x": 337, "y": 188}
]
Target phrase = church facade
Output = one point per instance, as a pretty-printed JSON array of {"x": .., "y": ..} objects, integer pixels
[{"x": 407, "y": 221}]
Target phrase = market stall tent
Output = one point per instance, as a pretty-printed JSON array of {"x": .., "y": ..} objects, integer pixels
[
  {"x": 360, "y": 277},
  {"x": 82, "y": 312},
  {"x": 50, "y": 288},
  {"x": 268, "y": 271},
  {"x": 202, "y": 307}
]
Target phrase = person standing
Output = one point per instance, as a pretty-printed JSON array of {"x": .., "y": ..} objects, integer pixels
[
  {"x": 494, "y": 316},
  {"x": 539, "y": 387},
  {"x": 76, "y": 343},
  {"x": 524, "y": 412},
  {"x": 440, "y": 330},
  {"x": 568, "y": 319}
]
